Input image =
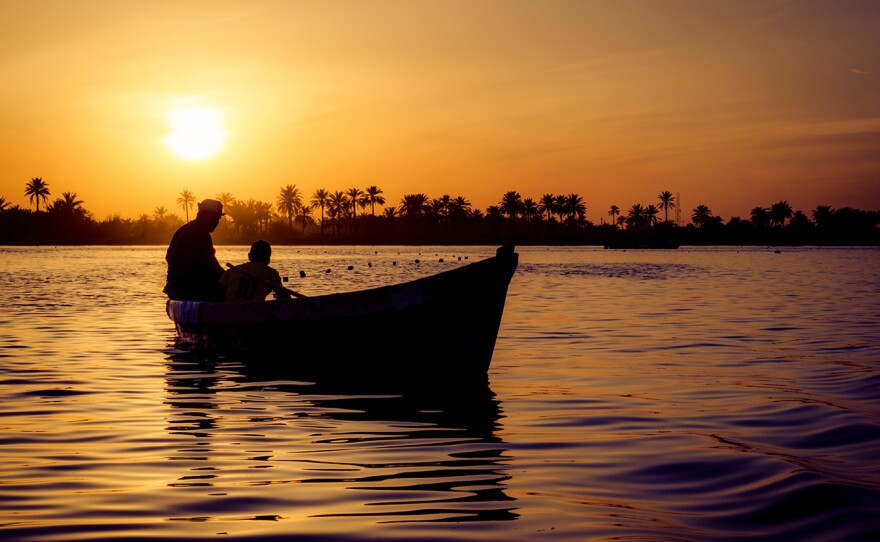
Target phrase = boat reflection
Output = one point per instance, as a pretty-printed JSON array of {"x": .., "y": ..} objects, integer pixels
[{"x": 370, "y": 449}]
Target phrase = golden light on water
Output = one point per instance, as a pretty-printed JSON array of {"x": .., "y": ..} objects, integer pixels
[{"x": 197, "y": 133}]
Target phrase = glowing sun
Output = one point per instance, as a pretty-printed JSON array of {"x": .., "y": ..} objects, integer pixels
[{"x": 196, "y": 133}]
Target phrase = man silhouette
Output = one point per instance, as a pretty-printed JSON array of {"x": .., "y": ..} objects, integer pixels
[{"x": 193, "y": 269}]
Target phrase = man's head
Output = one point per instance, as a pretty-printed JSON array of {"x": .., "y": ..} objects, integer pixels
[
  {"x": 210, "y": 212},
  {"x": 260, "y": 252}
]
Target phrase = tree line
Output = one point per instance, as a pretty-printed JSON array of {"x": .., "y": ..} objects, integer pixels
[{"x": 356, "y": 216}]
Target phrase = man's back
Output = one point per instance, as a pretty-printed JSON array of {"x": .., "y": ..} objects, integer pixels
[{"x": 193, "y": 270}]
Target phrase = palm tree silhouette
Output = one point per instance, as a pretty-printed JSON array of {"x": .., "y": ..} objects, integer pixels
[
  {"x": 288, "y": 201},
  {"x": 355, "y": 197},
  {"x": 636, "y": 216},
  {"x": 529, "y": 209},
  {"x": 37, "y": 190},
  {"x": 338, "y": 208},
  {"x": 264, "y": 214},
  {"x": 559, "y": 207},
  {"x": 511, "y": 204},
  {"x": 186, "y": 201},
  {"x": 304, "y": 216},
  {"x": 413, "y": 204},
  {"x": 226, "y": 198},
  {"x": 373, "y": 193},
  {"x": 320, "y": 199},
  {"x": 822, "y": 215},
  {"x": 702, "y": 215},
  {"x": 460, "y": 206},
  {"x": 667, "y": 201},
  {"x": 574, "y": 207},
  {"x": 547, "y": 205},
  {"x": 69, "y": 205},
  {"x": 159, "y": 213},
  {"x": 613, "y": 212},
  {"x": 760, "y": 217},
  {"x": 3, "y": 204},
  {"x": 650, "y": 214},
  {"x": 779, "y": 212}
]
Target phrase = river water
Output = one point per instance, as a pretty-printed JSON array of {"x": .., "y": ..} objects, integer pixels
[{"x": 697, "y": 394}]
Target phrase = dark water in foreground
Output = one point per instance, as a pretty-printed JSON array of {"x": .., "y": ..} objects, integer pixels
[{"x": 683, "y": 395}]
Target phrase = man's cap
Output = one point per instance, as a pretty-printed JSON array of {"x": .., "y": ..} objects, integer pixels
[{"x": 211, "y": 206}]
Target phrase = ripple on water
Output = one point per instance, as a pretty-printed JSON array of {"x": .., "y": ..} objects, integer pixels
[{"x": 699, "y": 394}]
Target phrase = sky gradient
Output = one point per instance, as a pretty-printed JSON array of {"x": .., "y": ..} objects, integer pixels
[{"x": 731, "y": 104}]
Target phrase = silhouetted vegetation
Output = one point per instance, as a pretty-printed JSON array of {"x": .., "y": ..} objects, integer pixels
[{"x": 333, "y": 218}]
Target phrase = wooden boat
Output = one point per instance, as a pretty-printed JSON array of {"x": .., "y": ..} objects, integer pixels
[{"x": 436, "y": 327}]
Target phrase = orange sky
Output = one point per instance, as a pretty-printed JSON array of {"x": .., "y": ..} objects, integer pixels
[{"x": 732, "y": 104}]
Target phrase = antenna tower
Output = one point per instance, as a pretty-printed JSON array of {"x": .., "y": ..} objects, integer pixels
[{"x": 678, "y": 209}]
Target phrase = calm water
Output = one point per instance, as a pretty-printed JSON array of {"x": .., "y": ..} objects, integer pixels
[{"x": 683, "y": 395}]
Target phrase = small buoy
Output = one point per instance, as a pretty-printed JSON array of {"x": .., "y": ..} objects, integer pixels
[
  {"x": 327, "y": 271},
  {"x": 350, "y": 267},
  {"x": 393, "y": 264},
  {"x": 441, "y": 260},
  {"x": 418, "y": 261},
  {"x": 465, "y": 257},
  {"x": 302, "y": 274},
  {"x": 369, "y": 264},
  {"x": 459, "y": 258},
  {"x": 283, "y": 279}
]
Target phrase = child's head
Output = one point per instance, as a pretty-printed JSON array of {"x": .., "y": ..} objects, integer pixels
[{"x": 260, "y": 252}]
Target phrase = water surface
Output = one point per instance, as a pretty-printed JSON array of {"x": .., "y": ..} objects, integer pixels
[{"x": 697, "y": 394}]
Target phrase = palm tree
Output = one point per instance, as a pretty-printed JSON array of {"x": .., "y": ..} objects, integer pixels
[
  {"x": 437, "y": 208},
  {"x": 613, "y": 212},
  {"x": 446, "y": 205},
  {"x": 511, "y": 204},
  {"x": 529, "y": 209},
  {"x": 574, "y": 207},
  {"x": 320, "y": 199},
  {"x": 559, "y": 206},
  {"x": 263, "y": 212},
  {"x": 547, "y": 205},
  {"x": 822, "y": 216},
  {"x": 338, "y": 208},
  {"x": 373, "y": 197},
  {"x": 636, "y": 216},
  {"x": 68, "y": 205},
  {"x": 651, "y": 212},
  {"x": 3, "y": 204},
  {"x": 355, "y": 197},
  {"x": 37, "y": 190},
  {"x": 667, "y": 201},
  {"x": 760, "y": 217},
  {"x": 288, "y": 201},
  {"x": 390, "y": 212},
  {"x": 159, "y": 213},
  {"x": 702, "y": 215},
  {"x": 304, "y": 216},
  {"x": 413, "y": 204},
  {"x": 226, "y": 198},
  {"x": 779, "y": 212},
  {"x": 186, "y": 201},
  {"x": 460, "y": 206}
]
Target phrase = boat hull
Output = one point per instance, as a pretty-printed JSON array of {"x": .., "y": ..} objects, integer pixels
[{"x": 432, "y": 328}]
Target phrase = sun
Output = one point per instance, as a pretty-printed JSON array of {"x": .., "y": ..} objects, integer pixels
[{"x": 196, "y": 133}]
